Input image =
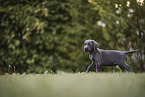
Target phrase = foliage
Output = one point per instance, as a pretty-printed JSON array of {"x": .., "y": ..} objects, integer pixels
[
  {"x": 48, "y": 35},
  {"x": 73, "y": 85},
  {"x": 42, "y": 35}
]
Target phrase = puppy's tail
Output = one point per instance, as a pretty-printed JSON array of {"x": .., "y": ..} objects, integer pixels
[{"x": 128, "y": 52}]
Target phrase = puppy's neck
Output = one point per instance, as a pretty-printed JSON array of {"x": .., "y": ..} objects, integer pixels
[
  {"x": 95, "y": 51},
  {"x": 92, "y": 54}
]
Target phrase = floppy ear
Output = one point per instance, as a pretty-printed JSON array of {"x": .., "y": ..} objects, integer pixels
[{"x": 96, "y": 45}]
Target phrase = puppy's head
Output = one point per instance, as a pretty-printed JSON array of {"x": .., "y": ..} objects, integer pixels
[{"x": 90, "y": 45}]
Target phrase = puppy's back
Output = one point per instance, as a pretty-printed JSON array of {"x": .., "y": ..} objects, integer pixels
[{"x": 112, "y": 57}]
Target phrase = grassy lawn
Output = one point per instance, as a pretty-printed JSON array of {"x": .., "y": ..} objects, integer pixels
[{"x": 73, "y": 85}]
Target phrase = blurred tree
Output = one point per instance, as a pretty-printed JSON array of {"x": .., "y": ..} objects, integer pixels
[
  {"x": 43, "y": 35},
  {"x": 135, "y": 32}
]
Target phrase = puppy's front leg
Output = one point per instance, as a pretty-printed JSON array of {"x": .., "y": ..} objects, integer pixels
[
  {"x": 90, "y": 67},
  {"x": 98, "y": 68}
]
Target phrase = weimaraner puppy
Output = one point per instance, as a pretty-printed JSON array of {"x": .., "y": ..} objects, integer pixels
[{"x": 106, "y": 57}]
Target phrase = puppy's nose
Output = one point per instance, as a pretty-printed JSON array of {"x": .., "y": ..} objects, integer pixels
[{"x": 86, "y": 49}]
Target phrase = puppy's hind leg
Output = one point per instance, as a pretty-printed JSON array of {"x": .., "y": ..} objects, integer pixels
[
  {"x": 122, "y": 69},
  {"x": 125, "y": 66},
  {"x": 129, "y": 68}
]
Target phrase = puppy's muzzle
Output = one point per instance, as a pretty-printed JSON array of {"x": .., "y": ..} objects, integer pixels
[{"x": 86, "y": 49}]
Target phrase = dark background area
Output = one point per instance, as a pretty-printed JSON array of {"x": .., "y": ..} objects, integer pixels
[{"x": 48, "y": 35}]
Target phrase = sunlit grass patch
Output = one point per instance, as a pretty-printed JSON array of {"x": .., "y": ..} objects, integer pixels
[{"x": 73, "y": 85}]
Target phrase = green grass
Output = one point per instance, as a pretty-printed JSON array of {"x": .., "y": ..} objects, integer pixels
[{"x": 73, "y": 85}]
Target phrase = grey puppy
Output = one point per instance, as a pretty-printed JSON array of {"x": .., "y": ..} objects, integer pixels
[{"x": 106, "y": 57}]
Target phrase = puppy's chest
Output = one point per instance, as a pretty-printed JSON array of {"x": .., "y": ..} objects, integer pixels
[
  {"x": 91, "y": 57},
  {"x": 95, "y": 57}
]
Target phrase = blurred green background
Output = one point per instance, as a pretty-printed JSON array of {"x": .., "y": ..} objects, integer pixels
[{"x": 48, "y": 35}]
